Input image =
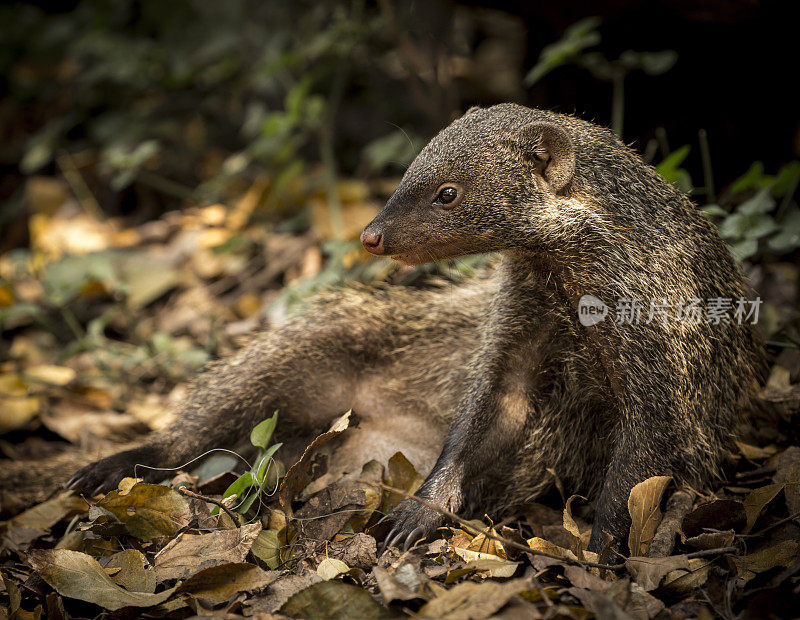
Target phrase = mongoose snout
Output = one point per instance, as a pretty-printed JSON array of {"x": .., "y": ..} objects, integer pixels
[{"x": 372, "y": 241}]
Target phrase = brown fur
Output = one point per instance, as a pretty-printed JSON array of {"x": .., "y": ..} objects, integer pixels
[{"x": 502, "y": 359}]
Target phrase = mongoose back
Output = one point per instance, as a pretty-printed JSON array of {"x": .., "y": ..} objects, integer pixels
[{"x": 498, "y": 377}]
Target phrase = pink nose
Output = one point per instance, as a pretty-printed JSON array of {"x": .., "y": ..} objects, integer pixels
[{"x": 373, "y": 242}]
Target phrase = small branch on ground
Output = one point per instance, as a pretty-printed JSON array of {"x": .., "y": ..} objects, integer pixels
[
  {"x": 769, "y": 528},
  {"x": 211, "y": 500},
  {"x": 710, "y": 552},
  {"x": 678, "y": 506}
]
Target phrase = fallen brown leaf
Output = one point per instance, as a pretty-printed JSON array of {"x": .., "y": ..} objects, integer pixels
[
  {"x": 187, "y": 554},
  {"x": 643, "y": 506},
  {"x": 76, "y": 575}
]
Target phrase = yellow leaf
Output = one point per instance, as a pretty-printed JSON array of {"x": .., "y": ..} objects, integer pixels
[
  {"x": 330, "y": 568},
  {"x": 45, "y": 194},
  {"x": 482, "y": 544},
  {"x": 247, "y": 305},
  {"x": 221, "y": 582},
  {"x": 130, "y": 570},
  {"x": 188, "y": 553},
  {"x": 643, "y": 506},
  {"x": 683, "y": 581},
  {"x": 213, "y": 215},
  {"x": 213, "y": 237},
  {"x": 540, "y": 544},
  {"x": 493, "y": 564},
  {"x": 648, "y": 572},
  {"x": 779, "y": 377},
  {"x": 12, "y": 385},
  {"x": 54, "y": 375},
  {"x": 6, "y": 296},
  {"x": 16, "y": 412},
  {"x": 126, "y": 484},
  {"x": 572, "y": 527}
]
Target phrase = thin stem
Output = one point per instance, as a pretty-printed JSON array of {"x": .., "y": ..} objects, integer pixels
[
  {"x": 78, "y": 185},
  {"x": 769, "y": 528},
  {"x": 786, "y": 201},
  {"x": 663, "y": 144},
  {"x": 618, "y": 103},
  {"x": 165, "y": 186},
  {"x": 211, "y": 500},
  {"x": 708, "y": 173}
]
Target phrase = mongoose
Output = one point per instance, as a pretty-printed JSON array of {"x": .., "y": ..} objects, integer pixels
[{"x": 504, "y": 360}]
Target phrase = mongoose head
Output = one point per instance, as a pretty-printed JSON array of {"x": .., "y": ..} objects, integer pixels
[{"x": 475, "y": 187}]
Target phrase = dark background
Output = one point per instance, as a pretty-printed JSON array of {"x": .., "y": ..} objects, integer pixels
[{"x": 88, "y": 77}]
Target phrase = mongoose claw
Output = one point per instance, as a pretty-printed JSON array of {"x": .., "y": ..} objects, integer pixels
[{"x": 413, "y": 522}]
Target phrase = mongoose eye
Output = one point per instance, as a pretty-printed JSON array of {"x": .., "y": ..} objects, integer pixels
[{"x": 447, "y": 195}]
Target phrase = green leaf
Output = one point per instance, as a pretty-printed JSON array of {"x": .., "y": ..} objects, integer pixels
[
  {"x": 267, "y": 548},
  {"x": 788, "y": 238},
  {"x": 576, "y": 38},
  {"x": 760, "y": 226},
  {"x": 652, "y": 63},
  {"x": 671, "y": 171},
  {"x": 262, "y": 433},
  {"x": 787, "y": 179},
  {"x": 754, "y": 178},
  {"x": 713, "y": 210},
  {"x": 744, "y": 249},
  {"x": 329, "y": 600},
  {"x": 252, "y": 495},
  {"x": 237, "y": 487},
  {"x": 761, "y": 202},
  {"x": 733, "y": 226},
  {"x": 262, "y": 464},
  {"x": 673, "y": 161}
]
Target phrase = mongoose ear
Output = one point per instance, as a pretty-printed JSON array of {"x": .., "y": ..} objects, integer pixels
[
  {"x": 474, "y": 108},
  {"x": 549, "y": 150}
]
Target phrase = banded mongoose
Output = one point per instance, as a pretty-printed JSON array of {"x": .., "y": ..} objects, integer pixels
[{"x": 503, "y": 360}]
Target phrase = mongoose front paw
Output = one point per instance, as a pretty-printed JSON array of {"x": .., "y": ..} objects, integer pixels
[
  {"x": 412, "y": 522},
  {"x": 103, "y": 476}
]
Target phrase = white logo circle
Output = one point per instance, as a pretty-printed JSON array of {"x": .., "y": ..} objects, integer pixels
[{"x": 591, "y": 310}]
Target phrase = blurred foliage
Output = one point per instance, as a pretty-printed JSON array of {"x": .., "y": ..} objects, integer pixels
[
  {"x": 575, "y": 47},
  {"x": 756, "y": 215},
  {"x": 183, "y": 99}
]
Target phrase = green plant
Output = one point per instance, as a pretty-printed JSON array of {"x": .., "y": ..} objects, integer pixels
[
  {"x": 250, "y": 484},
  {"x": 572, "y": 49},
  {"x": 670, "y": 168},
  {"x": 765, "y": 221}
]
